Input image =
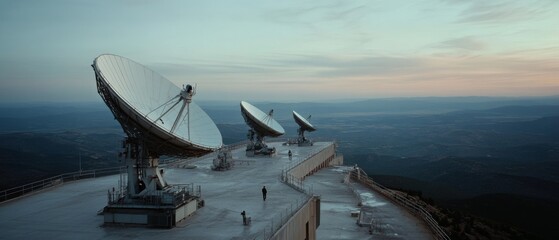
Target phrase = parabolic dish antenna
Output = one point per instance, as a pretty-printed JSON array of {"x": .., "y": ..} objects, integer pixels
[
  {"x": 304, "y": 125},
  {"x": 303, "y": 122},
  {"x": 151, "y": 107},
  {"x": 159, "y": 119},
  {"x": 262, "y": 125}
]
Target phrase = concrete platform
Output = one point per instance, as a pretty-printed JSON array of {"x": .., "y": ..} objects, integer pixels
[
  {"x": 70, "y": 211},
  {"x": 339, "y": 199}
]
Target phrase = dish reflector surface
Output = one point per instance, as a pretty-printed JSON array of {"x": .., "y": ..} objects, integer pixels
[
  {"x": 303, "y": 122},
  {"x": 261, "y": 122},
  {"x": 147, "y": 98}
]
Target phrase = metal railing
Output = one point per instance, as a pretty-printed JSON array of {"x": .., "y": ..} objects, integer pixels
[
  {"x": 175, "y": 195},
  {"x": 314, "y": 139},
  {"x": 174, "y": 160},
  {"x": 295, "y": 164},
  {"x": 400, "y": 199},
  {"x": 55, "y": 181},
  {"x": 236, "y": 145},
  {"x": 293, "y": 181},
  {"x": 297, "y": 184}
]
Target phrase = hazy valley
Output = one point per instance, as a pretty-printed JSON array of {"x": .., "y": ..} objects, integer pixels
[{"x": 493, "y": 157}]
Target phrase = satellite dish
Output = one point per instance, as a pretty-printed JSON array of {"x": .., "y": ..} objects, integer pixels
[
  {"x": 151, "y": 107},
  {"x": 304, "y": 125},
  {"x": 159, "y": 118},
  {"x": 262, "y": 125}
]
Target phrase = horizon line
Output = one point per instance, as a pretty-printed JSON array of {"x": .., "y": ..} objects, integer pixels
[{"x": 344, "y": 100}]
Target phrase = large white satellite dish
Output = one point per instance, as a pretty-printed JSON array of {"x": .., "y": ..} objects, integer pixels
[
  {"x": 159, "y": 118},
  {"x": 262, "y": 125},
  {"x": 148, "y": 105}
]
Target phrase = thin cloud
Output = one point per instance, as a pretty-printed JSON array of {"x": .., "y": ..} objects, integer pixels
[
  {"x": 466, "y": 74},
  {"x": 349, "y": 14},
  {"x": 457, "y": 75},
  {"x": 213, "y": 67},
  {"x": 371, "y": 66},
  {"x": 309, "y": 16},
  {"x": 501, "y": 11},
  {"x": 466, "y": 43},
  {"x": 325, "y": 67}
]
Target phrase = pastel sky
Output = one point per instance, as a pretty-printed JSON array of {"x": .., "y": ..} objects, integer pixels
[{"x": 285, "y": 50}]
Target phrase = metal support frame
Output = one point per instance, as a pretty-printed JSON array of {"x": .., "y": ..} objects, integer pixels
[
  {"x": 257, "y": 146},
  {"x": 302, "y": 140}
]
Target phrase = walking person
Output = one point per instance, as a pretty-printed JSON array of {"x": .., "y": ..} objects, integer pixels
[{"x": 264, "y": 192}]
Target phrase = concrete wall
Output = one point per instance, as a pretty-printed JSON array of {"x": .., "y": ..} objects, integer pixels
[
  {"x": 303, "y": 224},
  {"x": 296, "y": 227},
  {"x": 338, "y": 160},
  {"x": 141, "y": 219},
  {"x": 316, "y": 162},
  {"x": 186, "y": 210}
]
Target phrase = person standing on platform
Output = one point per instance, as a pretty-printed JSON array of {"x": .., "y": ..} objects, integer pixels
[
  {"x": 264, "y": 192},
  {"x": 243, "y": 213}
]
